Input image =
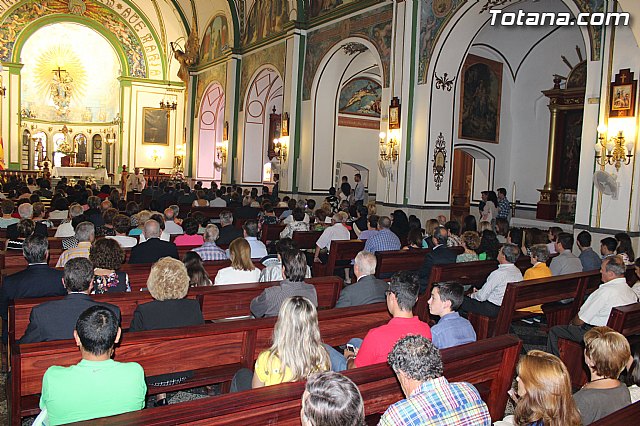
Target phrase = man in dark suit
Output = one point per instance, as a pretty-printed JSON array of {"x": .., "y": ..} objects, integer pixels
[
  {"x": 94, "y": 214},
  {"x": 439, "y": 255},
  {"x": 368, "y": 289},
  {"x": 154, "y": 248},
  {"x": 38, "y": 280},
  {"x": 56, "y": 319},
  {"x": 25, "y": 210},
  {"x": 228, "y": 232}
]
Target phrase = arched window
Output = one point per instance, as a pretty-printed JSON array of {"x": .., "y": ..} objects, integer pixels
[
  {"x": 39, "y": 149},
  {"x": 80, "y": 145}
]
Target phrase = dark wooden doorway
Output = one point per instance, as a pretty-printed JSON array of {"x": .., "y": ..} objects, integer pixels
[{"x": 461, "y": 184}]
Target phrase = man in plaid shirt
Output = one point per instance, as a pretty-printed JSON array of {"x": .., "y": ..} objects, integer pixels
[
  {"x": 385, "y": 239},
  {"x": 431, "y": 399},
  {"x": 504, "y": 206}
]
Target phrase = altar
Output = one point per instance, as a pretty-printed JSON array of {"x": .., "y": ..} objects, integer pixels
[{"x": 98, "y": 174}]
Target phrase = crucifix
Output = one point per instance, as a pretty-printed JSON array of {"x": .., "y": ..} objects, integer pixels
[{"x": 59, "y": 72}]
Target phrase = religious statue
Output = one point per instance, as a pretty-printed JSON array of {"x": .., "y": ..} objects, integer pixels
[{"x": 189, "y": 57}]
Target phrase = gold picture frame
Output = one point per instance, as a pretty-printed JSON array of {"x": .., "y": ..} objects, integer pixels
[
  {"x": 394, "y": 114},
  {"x": 155, "y": 126},
  {"x": 284, "y": 128}
]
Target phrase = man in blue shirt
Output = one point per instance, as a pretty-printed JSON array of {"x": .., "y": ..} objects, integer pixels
[
  {"x": 452, "y": 329},
  {"x": 385, "y": 239},
  {"x": 590, "y": 260}
]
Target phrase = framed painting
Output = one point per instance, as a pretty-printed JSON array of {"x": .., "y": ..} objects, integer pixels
[
  {"x": 361, "y": 96},
  {"x": 623, "y": 95},
  {"x": 480, "y": 100},
  {"x": 155, "y": 126}
]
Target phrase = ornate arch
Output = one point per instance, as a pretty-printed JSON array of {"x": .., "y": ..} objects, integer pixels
[{"x": 143, "y": 54}]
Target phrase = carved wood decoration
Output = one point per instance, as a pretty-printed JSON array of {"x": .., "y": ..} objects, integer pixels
[{"x": 439, "y": 161}]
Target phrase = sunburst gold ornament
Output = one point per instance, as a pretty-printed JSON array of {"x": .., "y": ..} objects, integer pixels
[{"x": 60, "y": 76}]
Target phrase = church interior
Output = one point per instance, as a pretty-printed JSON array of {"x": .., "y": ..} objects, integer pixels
[{"x": 431, "y": 103}]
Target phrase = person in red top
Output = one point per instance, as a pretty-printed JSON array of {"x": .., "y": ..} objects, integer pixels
[{"x": 402, "y": 295}]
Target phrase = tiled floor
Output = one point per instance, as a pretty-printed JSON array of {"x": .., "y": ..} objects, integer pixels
[{"x": 531, "y": 334}]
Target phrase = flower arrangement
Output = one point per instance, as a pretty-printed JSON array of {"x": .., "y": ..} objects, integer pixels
[{"x": 65, "y": 149}]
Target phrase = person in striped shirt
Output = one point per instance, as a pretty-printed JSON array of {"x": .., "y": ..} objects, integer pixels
[{"x": 430, "y": 399}]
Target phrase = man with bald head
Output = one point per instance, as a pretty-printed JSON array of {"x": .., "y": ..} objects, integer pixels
[
  {"x": 153, "y": 248},
  {"x": 368, "y": 289},
  {"x": 170, "y": 226},
  {"x": 25, "y": 210}
]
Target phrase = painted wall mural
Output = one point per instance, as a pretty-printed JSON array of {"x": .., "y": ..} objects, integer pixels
[
  {"x": 274, "y": 55},
  {"x": 322, "y": 7},
  {"x": 266, "y": 18},
  {"x": 361, "y": 96},
  {"x": 374, "y": 26},
  {"x": 434, "y": 15},
  {"x": 17, "y": 19},
  {"x": 215, "y": 39},
  {"x": 213, "y": 73}
]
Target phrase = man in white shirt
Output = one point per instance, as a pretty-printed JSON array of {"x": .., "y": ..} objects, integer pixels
[
  {"x": 170, "y": 226},
  {"x": 217, "y": 200},
  {"x": 596, "y": 309},
  {"x": 358, "y": 192},
  {"x": 337, "y": 232},
  {"x": 488, "y": 299},
  {"x": 258, "y": 249},
  {"x": 136, "y": 181},
  {"x": 65, "y": 230}
]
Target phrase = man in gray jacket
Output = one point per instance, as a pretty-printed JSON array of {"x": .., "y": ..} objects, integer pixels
[
  {"x": 368, "y": 289},
  {"x": 565, "y": 262}
]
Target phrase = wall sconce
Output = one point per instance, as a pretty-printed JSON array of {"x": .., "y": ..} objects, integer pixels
[
  {"x": 613, "y": 151},
  {"x": 280, "y": 146},
  {"x": 111, "y": 138},
  {"x": 155, "y": 157},
  {"x": 221, "y": 151},
  {"x": 89, "y": 131},
  {"x": 389, "y": 148}
]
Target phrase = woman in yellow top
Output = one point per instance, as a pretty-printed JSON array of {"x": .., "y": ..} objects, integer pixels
[
  {"x": 296, "y": 352},
  {"x": 539, "y": 255}
]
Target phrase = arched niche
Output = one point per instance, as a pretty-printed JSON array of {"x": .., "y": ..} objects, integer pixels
[
  {"x": 339, "y": 135},
  {"x": 264, "y": 94},
  {"x": 468, "y": 31},
  {"x": 210, "y": 131}
]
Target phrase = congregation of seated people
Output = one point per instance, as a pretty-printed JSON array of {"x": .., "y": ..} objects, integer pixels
[{"x": 100, "y": 233}]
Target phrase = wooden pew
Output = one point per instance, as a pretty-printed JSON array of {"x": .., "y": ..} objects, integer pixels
[
  {"x": 627, "y": 416},
  {"x": 467, "y": 273},
  {"x": 216, "y": 302},
  {"x": 623, "y": 319},
  {"x": 340, "y": 255},
  {"x": 14, "y": 258},
  {"x": 391, "y": 261},
  {"x": 214, "y": 352},
  {"x": 306, "y": 239},
  {"x": 493, "y": 364},
  {"x": 528, "y": 293},
  {"x": 271, "y": 232}
]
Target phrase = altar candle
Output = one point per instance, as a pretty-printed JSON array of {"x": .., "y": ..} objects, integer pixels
[{"x": 513, "y": 192}]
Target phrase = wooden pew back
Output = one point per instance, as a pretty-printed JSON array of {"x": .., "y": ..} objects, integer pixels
[
  {"x": 271, "y": 232},
  {"x": 216, "y": 302},
  {"x": 389, "y": 262},
  {"x": 213, "y": 351},
  {"x": 339, "y": 252},
  {"x": 489, "y": 365},
  {"x": 306, "y": 239},
  {"x": 534, "y": 292}
]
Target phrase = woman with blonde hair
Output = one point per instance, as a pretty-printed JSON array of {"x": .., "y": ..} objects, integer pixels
[
  {"x": 544, "y": 393},
  {"x": 296, "y": 352},
  {"x": 168, "y": 284},
  {"x": 606, "y": 353},
  {"x": 242, "y": 269}
]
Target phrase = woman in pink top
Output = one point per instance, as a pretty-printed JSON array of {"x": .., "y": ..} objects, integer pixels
[{"x": 190, "y": 236}]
